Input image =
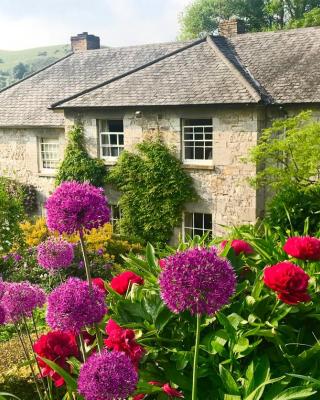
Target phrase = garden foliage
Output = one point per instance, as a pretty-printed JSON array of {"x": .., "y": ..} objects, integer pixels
[
  {"x": 288, "y": 153},
  {"x": 26, "y": 194},
  {"x": 154, "y": 189},
  {"x": 77, "y": 165}
]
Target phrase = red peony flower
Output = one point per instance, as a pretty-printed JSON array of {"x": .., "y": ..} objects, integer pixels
[
  {"x": 304, "y": 248},
  {"x": 121, "y": 282},
  {"x": 239, "y": 246},
  {"x": 162, "y": 263},
  {"x": 56, "y": 346},
  {"x": 289, "y": 281},
  {"x": 139, "y": 396},
  {"x": 167, "y": 389},
  {"x": 99, "y": 283},
  {"x": 120, "y": 339}
]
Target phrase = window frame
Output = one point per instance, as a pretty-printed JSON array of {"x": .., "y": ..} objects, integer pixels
[
  {"x": 107, "y": 133},
  {"x": 193, "y": 228},
  {"x": 196, "y": 161},
  {"x": 113, "y": 220},
  {"x": 43, "y": 140}
]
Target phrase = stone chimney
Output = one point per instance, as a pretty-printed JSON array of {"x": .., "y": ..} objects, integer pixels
[
  {"x": 84, "y": 42},
  {"x": 231, "y": 27}
]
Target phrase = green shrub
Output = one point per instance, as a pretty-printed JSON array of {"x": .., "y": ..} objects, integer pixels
[
  {"x": 154, "y": 190},
  {"x": 27, "y": 194},
  {"x": 290, "y": 207},
  {"x": 11, "y": 214},
  {"x": 77, "y": 165}
]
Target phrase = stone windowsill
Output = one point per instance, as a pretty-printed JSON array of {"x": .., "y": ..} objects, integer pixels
[
  {"x": 198, "y": 166},
  {"x": 43, "y": 174}
]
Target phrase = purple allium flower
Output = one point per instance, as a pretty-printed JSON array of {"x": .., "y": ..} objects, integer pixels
[
  {"x": 197, "y": 280},
  {"x": 55, "y": 254},
  {"x": 2, "y": 315},
  {"x": 72, "y": 306},
  {"x": 81, "y": 264},
  {"x": 20, "y": 299},
  {"x": 100, "y": 252},
  {"x": 17, "y": 257},
  {"x": 75, "y": 206},
  {"x": 107, "y": 376}
]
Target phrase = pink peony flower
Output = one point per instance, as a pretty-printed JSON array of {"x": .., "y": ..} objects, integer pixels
[
  {"x": 239, "y": 246},
  {"x": 304, "y": 248}
]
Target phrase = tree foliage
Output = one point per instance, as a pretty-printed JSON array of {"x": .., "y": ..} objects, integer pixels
[
  {"x": 311, "y": 18},
  {"x": 290, "y": 207},
  {"x": 154, "y": 189},
  {"x": 288, "y": 153},
  {"x": 77, "y": 165},
  {"x": 202, "y": 17}
]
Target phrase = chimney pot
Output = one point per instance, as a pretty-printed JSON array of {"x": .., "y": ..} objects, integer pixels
[
  {"x": 84, "y": 41},
  {"x": 231, "y": 27}
]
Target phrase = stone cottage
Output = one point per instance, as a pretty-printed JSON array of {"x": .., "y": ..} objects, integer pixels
[{"x": 207, "y": 98}]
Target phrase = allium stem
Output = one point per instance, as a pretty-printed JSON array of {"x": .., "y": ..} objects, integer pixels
[
  {"x": 89, "y": 279},
  {"x": 34, "y": 355},
  {"x": 85, "y": 259},
  {"x": 195, "y": 359},
  {"x": 25, "y": 350},
  {"x": 82, "y": 347}
]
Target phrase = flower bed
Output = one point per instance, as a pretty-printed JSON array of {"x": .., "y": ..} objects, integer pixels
[{"x": 232, "y": 319}]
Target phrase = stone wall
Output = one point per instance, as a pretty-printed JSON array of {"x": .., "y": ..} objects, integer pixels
[
  {"x": 19, "y": 157},
  {"x": 222, "y": 186}
]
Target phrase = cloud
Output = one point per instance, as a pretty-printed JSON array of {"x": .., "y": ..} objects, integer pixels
[{"x": 117, "y": 22}]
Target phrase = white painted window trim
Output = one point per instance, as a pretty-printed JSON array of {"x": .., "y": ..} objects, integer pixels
[
  {"x": 184, "y": 227},
  {"x": 114, "y": 220},
  {"x": 42, "y": 141},
  {"x": 110, "y": 146},
  {"x": 195, "y": 161}
]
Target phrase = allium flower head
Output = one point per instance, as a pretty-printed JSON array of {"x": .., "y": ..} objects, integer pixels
[
  {"x": 20, "y": 299},
  {"x": 72, "y": 306},
  {"x": 289, "y": 281},
  {"x": 107, "y": 376},
  {"x": 55, "y": 254},
  {"x": 55, "y": 346},
  {"x": 197, "y": 280},
  {"x": 239, "y": 247},
  {"x": 304, "y": 248},
  {"x": 75, "y": 206},
  {"x": 2, "y": 315}
]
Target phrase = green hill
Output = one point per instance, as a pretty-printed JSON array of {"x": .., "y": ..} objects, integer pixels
[{"x": 15, "y": 65}]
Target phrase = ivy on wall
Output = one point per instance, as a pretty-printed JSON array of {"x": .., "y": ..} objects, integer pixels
[
  {"x": 77, "y": 165},
  {"x": 154, "y": 190}
]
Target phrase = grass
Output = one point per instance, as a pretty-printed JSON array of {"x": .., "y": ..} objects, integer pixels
[{"x": 29, "y": 56}]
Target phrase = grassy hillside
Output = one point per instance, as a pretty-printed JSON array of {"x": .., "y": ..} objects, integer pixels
[{"x": 15, "y": 65}]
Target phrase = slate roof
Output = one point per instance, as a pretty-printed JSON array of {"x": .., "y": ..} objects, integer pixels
[
  {"x": 26, "y": 102},
  {"x": 270, "y": 67}
]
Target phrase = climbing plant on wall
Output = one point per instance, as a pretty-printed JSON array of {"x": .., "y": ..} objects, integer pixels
[
  {"x": 154, "y": 190},
  {"x": 77, "y": 165}
]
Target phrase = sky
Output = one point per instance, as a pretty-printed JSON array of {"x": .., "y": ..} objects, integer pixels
[{"x": 34, "y": 23}]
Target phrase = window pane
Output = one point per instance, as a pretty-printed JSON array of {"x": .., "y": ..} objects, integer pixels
[
  {"x": 105, "y": 139},
  {"x": 188, "y": 233},
  {"x": 198, "y": 232},
  {"x": 113, "y": 139},
  {"x": 114, "y": 152},
  {"x": 189, "y": 153},
  {"x": 106, "y": 151},
  {"x": 207, "y": 221},
  {"x": 188, "y": 136},
  {"x": 121, "y": 139},
  {"x": 199, "y": 153},
  {"x": 198, "y": 220},
  {"x": 115, "y": 125},
  {"x": 197, "y": 122},
  {"x": 208, "y": 129},
  {"x": 198, "y": 129},
  {"x": 208, "y": 154}
]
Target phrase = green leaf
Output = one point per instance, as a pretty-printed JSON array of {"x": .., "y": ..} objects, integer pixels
[
  {"x": 70, "y": 381},
  {"x": 151, "y": 258},
  {"x": 231, "y": 397},
  {"x": 227, "y": 380},
  {"x": 297, "y": 392},
  {"x": 227, "y": 325},
  {"x": 306, "y": 378},
  {"x": 163, "y": 318},
  {"x": 241, "y": 345},
  {"x": 257, "y": 393},
  {"x": 4, "y": 394}
]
